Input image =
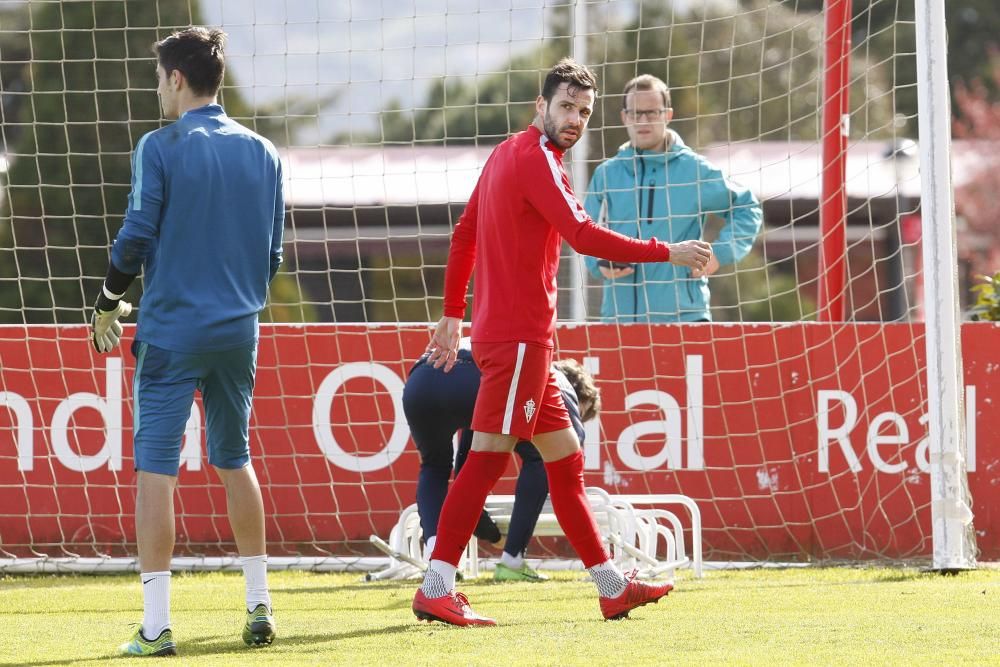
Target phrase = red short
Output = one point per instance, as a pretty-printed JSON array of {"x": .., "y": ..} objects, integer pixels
[{"x": 518, "y": 393}]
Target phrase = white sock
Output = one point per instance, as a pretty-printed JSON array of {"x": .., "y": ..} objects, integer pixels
[
  {"x": 439, "y": 579},
  {"x": 255, "y": 574},
  {"x": 609, "y": 579},
  {"x": 429, "y": 547},
  {"x": 513, "y": 562},
  {"x": 155, "y": 603}
]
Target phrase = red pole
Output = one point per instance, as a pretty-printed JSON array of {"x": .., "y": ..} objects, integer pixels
[{"x": 833, "y": 197}]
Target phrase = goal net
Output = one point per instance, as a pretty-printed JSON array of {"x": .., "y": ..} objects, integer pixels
[{"x": 800, "y": 440}]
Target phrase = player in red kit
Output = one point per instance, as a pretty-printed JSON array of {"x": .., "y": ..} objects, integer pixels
[{"x": 511, "y": 233}]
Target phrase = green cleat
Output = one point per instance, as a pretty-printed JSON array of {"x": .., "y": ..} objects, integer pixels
[
  {"x": 523, "y": 573},
  {"x": 259, "y": 629},
  {"x": 139, "y": 645}
]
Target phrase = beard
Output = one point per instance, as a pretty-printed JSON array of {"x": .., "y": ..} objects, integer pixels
[{"x": 553, "y": 132}]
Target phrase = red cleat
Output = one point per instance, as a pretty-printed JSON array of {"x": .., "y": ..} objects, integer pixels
[
  {"x": 453, "y": 609},
  {"x": 636, "y": 594}
]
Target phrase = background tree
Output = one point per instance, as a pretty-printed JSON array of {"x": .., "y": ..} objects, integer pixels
[
  {"x": 749, "y": 76},
  {"x": 92, "y": 85},
  {"x": 886, "y": 29},
  {"x": 977, "y": 119},
  {"x": 735, "y": 76},
  {"x": 78, "y": 91},
  {"x": 14, "y": 56},
  {"x": 758, "y": 293}
]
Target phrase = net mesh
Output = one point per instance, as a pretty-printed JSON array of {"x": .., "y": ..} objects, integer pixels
[{"x": 798, "y": 440}]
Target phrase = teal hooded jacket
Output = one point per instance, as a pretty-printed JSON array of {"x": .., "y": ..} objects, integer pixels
[{"x": 668, "y": 195}]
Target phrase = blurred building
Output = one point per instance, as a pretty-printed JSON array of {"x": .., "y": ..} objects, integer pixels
[{"x": 369, "y": 227}]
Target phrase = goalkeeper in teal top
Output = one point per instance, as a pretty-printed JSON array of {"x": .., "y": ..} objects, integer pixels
[{"x": 204, "y": 222}]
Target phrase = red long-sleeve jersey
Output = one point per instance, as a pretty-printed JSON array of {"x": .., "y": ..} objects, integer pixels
[{"x": 511, "y": 233}]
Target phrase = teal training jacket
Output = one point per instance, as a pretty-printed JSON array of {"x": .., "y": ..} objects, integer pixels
[
  {"x": 205, "y": 222},
  {"x": 668, "y": 195}
]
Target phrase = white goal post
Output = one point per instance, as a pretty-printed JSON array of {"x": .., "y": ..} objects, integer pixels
[{"x": 951, "y": 512}]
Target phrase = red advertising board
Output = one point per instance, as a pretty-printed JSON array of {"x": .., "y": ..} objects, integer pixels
[{"x": 798, "y": 441}]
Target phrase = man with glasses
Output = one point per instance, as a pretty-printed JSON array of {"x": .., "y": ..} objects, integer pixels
[{"x": 658, "y": 187}]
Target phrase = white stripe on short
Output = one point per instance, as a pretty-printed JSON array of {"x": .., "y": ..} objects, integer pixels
[{"x": 508, "y": 414}]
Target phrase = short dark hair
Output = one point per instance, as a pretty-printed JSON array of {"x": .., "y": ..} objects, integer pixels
[
  {"x": 587, "y": 393},
  {"x": 568, "y": 71},
  {"x": 197, "y": 53},
  {"x": 646, "y": 82}
]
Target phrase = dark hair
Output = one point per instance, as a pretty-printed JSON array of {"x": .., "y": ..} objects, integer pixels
[
  {"x": 569, "y": 71},
  {"x": 647, "y": 82},
  {"x": 197, "y": 53},
  {"x": 587, "y": 392}
]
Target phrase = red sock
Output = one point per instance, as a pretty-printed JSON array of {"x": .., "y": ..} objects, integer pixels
[
  {"x": 465, "y": 501},
  {"x": 572, "y": 509}
]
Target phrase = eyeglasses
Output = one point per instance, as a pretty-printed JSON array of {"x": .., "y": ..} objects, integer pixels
[{"x": 645, "y": 114}]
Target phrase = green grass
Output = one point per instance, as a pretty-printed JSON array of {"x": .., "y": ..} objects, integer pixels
[{"x": 796, "y": 616}]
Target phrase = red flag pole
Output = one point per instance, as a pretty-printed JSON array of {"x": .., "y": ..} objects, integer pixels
[{"x": 833, "y": 196}]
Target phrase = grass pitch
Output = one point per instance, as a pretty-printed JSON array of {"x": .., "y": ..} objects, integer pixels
[{"x": 795, "y": 616}]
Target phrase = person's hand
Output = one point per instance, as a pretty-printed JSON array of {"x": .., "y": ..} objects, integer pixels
[
  {"x": 692, "y": 254},
  {"x": 611, "y": 273},
  {"x": 105, "y": 330},
  {"x": 443, "y": 347},
  {"x": 710, "y": 268}
]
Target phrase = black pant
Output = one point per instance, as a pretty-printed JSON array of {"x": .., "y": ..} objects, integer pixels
[{"x": 436, "y": 405}]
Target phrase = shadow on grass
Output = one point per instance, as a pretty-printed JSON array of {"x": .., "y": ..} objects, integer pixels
[
  {"x": 409, "y": 585},
  {"x": 197, "y": 646},
  {"x": 41, "y": 581},
  {"x": 204, "y": 646},
  {"x": 335, "y": 588},
  {"x": 62, "y": 611},
  {"x": 400, "y": 605},
  {"x": 64, "y": 661},
  {"x": 863, "y": 578}
]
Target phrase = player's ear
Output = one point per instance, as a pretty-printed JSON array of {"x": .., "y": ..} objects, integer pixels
[
  {"x": 177, "y": 79},
  {"x": 540, "y": 105}
]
